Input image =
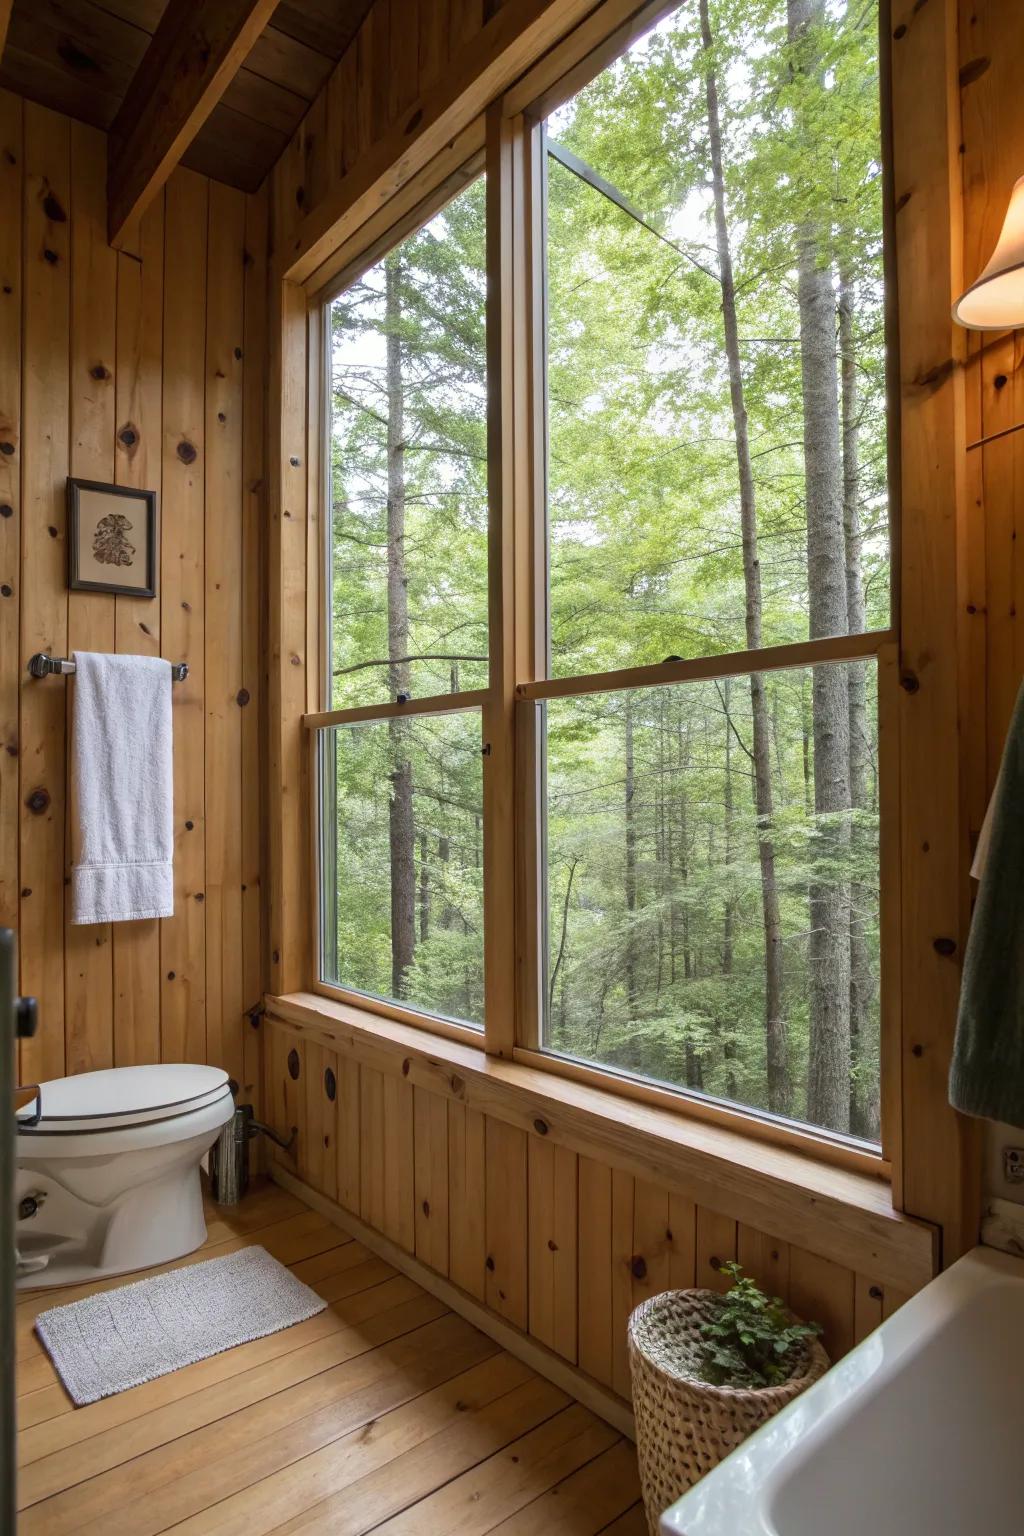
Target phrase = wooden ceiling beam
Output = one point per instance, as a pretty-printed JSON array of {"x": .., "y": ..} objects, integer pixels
[
  {"x": 196, "y": 51},
  {"x": 5, "y": 21}
]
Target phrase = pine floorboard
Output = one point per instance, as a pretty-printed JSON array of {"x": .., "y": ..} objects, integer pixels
[{"x": 385, "y": 1413}]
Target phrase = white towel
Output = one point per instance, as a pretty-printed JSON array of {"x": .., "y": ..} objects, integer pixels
[{"x": 123, "y": 783}]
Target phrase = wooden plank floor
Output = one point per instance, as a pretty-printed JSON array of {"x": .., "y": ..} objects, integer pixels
[{"x": 385, "y": 1413}]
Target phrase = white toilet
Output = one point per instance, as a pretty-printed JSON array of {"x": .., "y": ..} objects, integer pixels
[{"x": 108, "y": 1178}]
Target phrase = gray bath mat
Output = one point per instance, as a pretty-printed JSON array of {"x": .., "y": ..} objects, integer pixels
[{"x": 118, "y": 1339}]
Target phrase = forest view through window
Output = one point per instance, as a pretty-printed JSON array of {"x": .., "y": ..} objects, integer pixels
[
  {"x": 717, "y": 481},
  {"x": 401, "y": 818}
]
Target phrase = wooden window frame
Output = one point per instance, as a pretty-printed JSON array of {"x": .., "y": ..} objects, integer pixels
[{"x": 507, "y": 142}]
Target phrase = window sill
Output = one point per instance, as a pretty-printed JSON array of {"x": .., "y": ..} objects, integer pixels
[{"x": 837, "y": 1213}]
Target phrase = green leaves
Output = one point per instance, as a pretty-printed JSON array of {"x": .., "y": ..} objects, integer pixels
[{"x": 750, "y": 1340}]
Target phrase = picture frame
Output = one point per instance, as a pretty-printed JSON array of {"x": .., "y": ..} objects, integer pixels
[{"x": 111, "y": 528}]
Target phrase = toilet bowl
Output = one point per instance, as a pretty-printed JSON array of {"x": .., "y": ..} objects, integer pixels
[{"x": 108, "y": 1175}]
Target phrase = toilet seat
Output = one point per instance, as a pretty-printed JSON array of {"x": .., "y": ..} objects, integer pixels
[{"x": 120, "y": 1098}]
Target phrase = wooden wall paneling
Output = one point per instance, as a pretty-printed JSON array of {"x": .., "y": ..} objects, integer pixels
[
  {"x": 138, "y": 438},
  {"x": 506, "y": 1221},
  {"x": 347, "y": 1171},
  {"x": 765, "y": 1259},
  {"x": 88, "y": 952},
  {"x": 405, "y": 81},
  {"x": 44, "y": 599},
  {"x": 553, "y": 1221},
  {"x": 343, "y": 114},
  {"x": 289, "y": 911},
  {"x": 716, "y": 1246},
  {"x": 892, "y": 1299},
  {"x": 11, "y": 200},
  {"x": 224, "y": 554},
  {"x": 867, "y": 1307},
  {"x": 431, "y": 1178},
  {"x": 283, "y": 1092},
  {"x": 623, "y": 1279},
  {"x": 682, "y": 1242},
  {"x": 371, "y": 1147},
  {"x": 467, "y": 1239},
  {"x": 378, "y": 27},
  {"x": 595, "y": 1269},
  {"x": 182, "y": 569},
  {"x": 251, "y": 700},
  {"x": 399, "y": 1155},
  {"x": 939, "y": 1158},
  {"x": 318, "y": 1163},
  {"x": 435, "y": 38},
  {"x": 823, "y": 1292}
]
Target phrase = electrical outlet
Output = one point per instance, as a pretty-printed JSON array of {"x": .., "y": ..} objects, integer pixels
[{"x": 1013, "y": 1165}]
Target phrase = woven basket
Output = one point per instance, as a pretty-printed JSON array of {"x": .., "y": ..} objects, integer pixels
[{"x": 685, "y": 1426}]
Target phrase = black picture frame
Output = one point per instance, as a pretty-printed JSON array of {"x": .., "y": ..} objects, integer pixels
[{"x": 145, "y": 518}]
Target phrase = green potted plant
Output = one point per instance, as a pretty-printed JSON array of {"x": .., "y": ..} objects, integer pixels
[{"x": 709, "y": 1368}]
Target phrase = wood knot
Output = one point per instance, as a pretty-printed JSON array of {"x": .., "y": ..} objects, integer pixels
[
  {"x": 189, "y": 825},
  {"x": 406, "y": 1065},
  {"x": 973, "y": 70},
  {"x": 552, "y": 1245},
  {"x": 38, "y": 801},
  {"x": 638, "y": 1267},
  {"x": 128, "y": 436},
  {"x": 917, "y": 1050},
  {"x": 414, "y": 121},
  {"x": 6, "y": 510},
  {"x": 944, "y": 946},
  {"x": 238, "y": 354},
  {"x": 50, "y": 256},
  {"x": 425, "y": 1207},
  {"x": 186, "y": 452},
  {"x": 294, "y": 462},
  {"x": 1000, "y": 381},
  {"x": 242, "y": 697},
  {"x": 75, "y": 58},
  {"x": 541, "y": 1127},
  {"x": 54, "y": 209},
  {"x": 5, "y": 590},
  {"x": 6, "y": 449},
  {"x": 100, "y": 372},
  {"x": 330, "y": 1084},
  {"x": 458, "y": 1087},
  {"x": 489, "y": 1263},
  {"x": 909, "y": 682},
  {"x": 293, "y": 1065},
  {"x": 876, "y": 1293}
]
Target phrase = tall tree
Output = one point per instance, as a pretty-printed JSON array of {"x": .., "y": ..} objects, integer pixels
[
  {"x": 828, "y": 1086},
  {"x": 775, "y": 1021},
  {"x": 401, "y": 821}
]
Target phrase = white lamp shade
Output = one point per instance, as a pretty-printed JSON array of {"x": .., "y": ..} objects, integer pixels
[{"x": 995, "y": 302}]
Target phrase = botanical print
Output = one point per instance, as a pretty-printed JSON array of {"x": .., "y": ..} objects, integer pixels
[{"x": 110, "y": 544}]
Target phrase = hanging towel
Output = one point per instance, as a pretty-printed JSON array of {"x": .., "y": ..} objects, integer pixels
[
  {"x": 987, "y": 1074},
  {"x": 123, "y": 786}
]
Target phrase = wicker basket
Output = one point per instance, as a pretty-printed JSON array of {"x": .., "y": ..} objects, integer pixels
[{"x": 685, "y": 1426}]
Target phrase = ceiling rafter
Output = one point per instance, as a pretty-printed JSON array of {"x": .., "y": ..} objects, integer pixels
[{"x": 195, "y": 53}]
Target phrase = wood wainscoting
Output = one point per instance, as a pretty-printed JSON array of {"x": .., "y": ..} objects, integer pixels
[
  {"x": 528, "y": 1223},
  {"x": 144, "y": 367}
]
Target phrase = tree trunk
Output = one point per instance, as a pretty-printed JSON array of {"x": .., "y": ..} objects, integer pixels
[
  {"x": 776, "y": 1044},
  {"x": 401, "y": 824},
  {"x": 828, "y": 1085},
  {"x": 864, "y": 1103}
]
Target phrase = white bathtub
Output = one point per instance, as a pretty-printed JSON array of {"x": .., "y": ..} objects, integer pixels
[{"x": 918, "y": 1431}]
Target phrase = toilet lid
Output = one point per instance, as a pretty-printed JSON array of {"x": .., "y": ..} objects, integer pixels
[{"x": 119, "y": 1096}]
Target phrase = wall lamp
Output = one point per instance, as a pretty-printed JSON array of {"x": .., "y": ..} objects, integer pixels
[{"x": 995, "y": 302}]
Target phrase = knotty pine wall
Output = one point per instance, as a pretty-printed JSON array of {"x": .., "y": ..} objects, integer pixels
[
  {"x": 558, "y": 1244},
  {"x": 146, "y": 368}
]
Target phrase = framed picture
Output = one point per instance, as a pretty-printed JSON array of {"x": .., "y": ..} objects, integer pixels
[{"x": 111, "y": 539}]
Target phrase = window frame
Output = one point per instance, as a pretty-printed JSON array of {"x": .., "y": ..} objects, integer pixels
[{"x": 511, "y": 135}]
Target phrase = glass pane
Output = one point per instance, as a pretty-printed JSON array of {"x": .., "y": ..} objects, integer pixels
[
  {"x": 716, "y": 350},
  {"x": 402, "y": 851},
  {"x": 408, "y": 467},
  {"x": 713, "y": 889}
]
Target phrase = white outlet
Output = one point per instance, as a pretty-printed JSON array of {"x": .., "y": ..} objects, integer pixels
[{"x": 1013, "y": 1165}]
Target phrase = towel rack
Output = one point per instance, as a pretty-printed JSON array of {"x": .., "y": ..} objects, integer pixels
[{"x": 41, "y": 665}]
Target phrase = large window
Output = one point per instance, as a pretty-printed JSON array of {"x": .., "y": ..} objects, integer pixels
[{"x": 680, "y": 713}]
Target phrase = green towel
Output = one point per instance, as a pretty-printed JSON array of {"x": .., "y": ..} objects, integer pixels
[{"x": 987, "y": 1074}]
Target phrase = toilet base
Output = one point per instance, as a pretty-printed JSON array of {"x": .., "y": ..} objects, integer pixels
[{"x": 87, "y": 1231}]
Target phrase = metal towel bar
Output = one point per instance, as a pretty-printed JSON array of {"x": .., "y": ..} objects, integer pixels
[{"x": 41, "y": 665}]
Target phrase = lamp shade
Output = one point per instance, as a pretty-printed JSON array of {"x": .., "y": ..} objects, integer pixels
[{"x": 996, "y": 301}]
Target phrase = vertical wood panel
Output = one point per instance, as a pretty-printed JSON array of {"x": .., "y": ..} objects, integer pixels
[
  {"x": 399, "y": 1183},
  {"x": 137, "y": 621},
  {"x": 467, "y": 1241},
  {"x": 867, "y": 1307},
  {"x": 716, "y": 1246},
  {"x": 371, "y": 1147},
  {"x": 595, "y": 1269},
  {"x": 823, "y": 1292},
  {"x": 348, "y": 1159},
  {"x": 88, "y": 948},
  {"x": 44, "y": 605},
  {"x": 11, "y": 162},
  {"x": 622, "y": 1275},
  {"x": 431, "y": 1179},
  {"x": 765, "y": 1259},
  {"x": 506, "y": 1219},
  {"x": 182, "y": 568},
  {"x": 223, "y": 627},
  {"x": 552, "y": 1211}
]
